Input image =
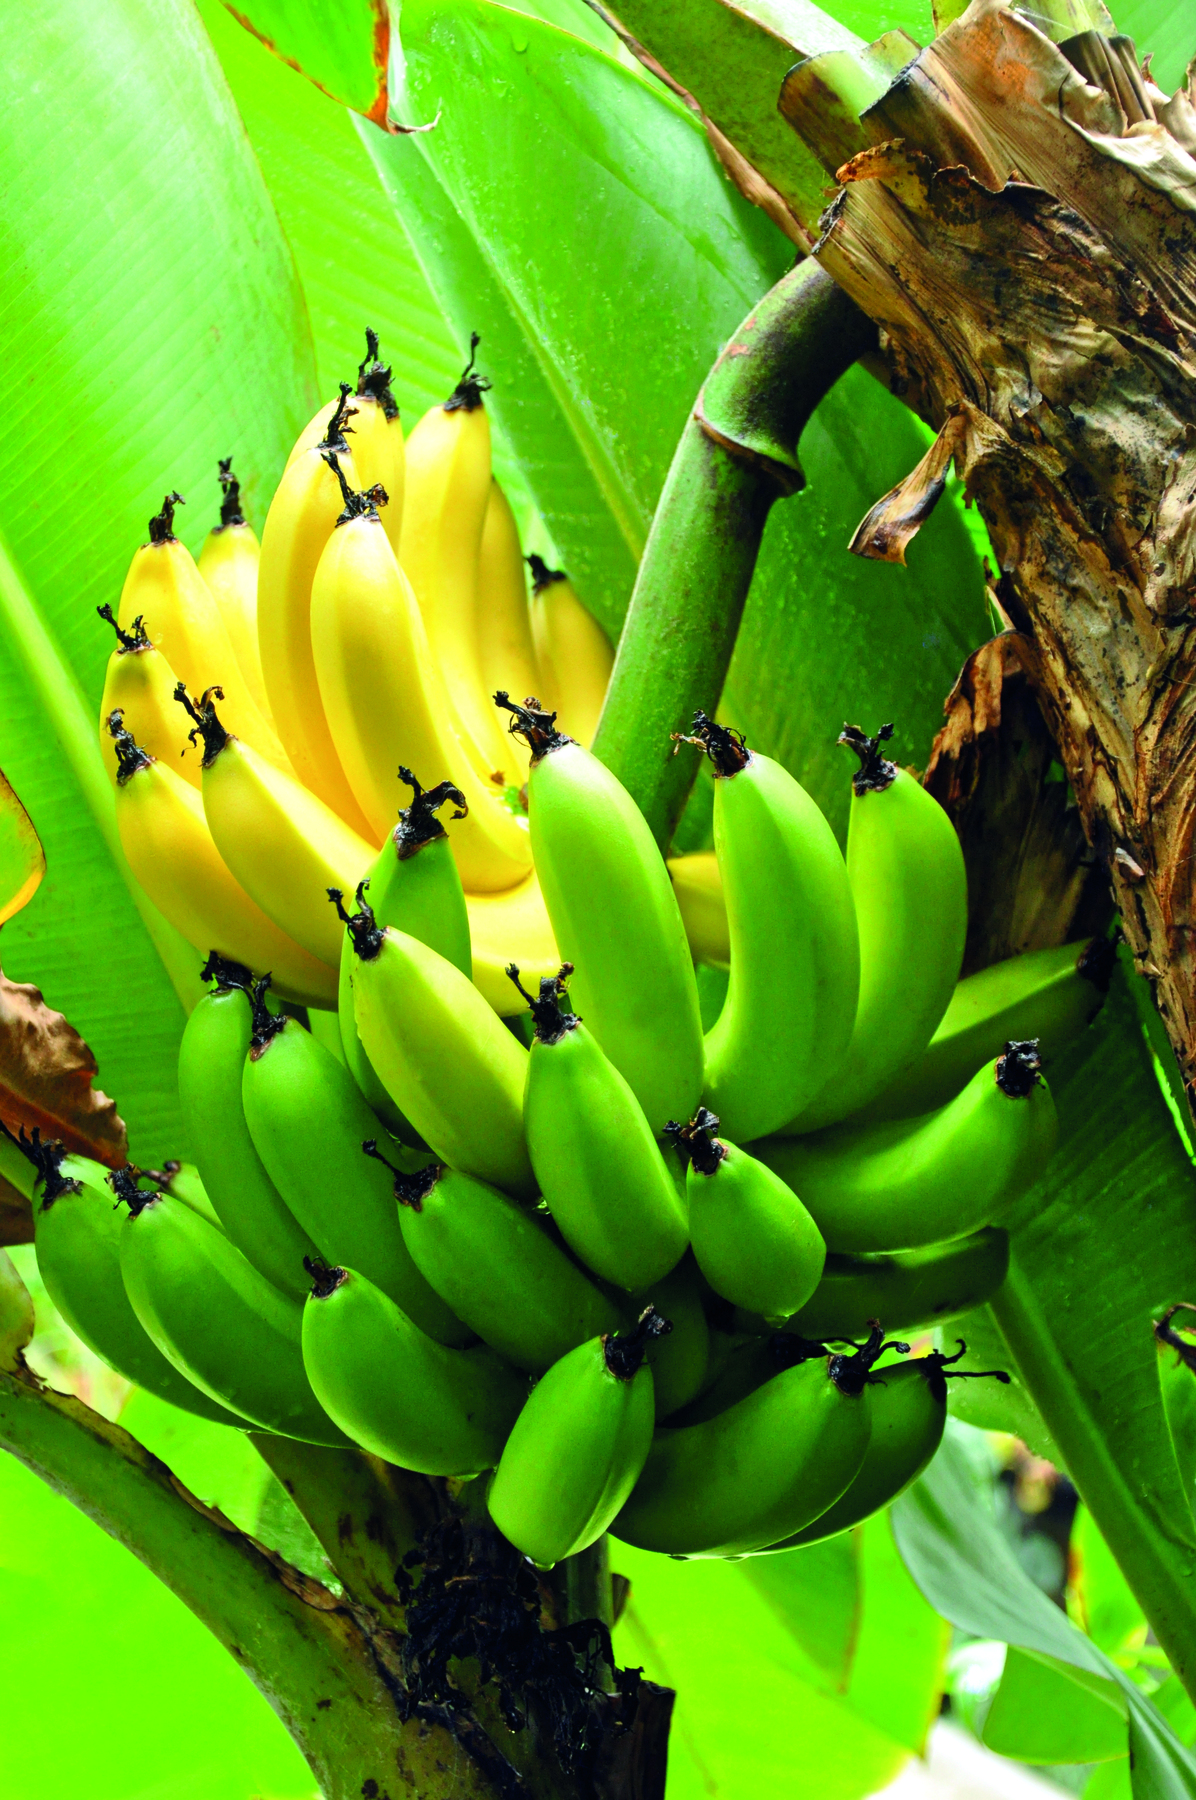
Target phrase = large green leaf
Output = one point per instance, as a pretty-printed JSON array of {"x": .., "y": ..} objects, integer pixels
[
  {"x": 151, "y": 322},
  {"x": 342, "y": 44}
]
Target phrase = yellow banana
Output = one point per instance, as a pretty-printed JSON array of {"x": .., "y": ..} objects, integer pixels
[
  {"x": 699, "y": 890},
  {"x": 183, "y": 621},
  {"x": 300, "y": 522},
  {"x": 502, "y": 621},
  {"x": 510, "y": 928},
  {"x": 169, "y": 847},
  {"x": 228, "y": 562},
  {"x": 448, "y": 489},
  {"x": 384, "y": 699},
  {"x": 140, "y": 684},
  {"x": 378, "y": 450},
  {"x": 573, "y": 653},
  {"x": 282, "y": 843}
]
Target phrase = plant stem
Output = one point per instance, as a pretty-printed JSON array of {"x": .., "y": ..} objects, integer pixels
[{"x": 737, "y": 454}]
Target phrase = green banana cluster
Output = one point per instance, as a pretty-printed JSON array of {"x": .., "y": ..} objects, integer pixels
[{"x": 629, "y": 1273}]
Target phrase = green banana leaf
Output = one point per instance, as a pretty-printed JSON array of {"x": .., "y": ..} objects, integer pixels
[{"x": 342, "y": 45}]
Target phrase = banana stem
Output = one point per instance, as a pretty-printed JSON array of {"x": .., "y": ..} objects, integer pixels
[{"x": 737, "y": 454}]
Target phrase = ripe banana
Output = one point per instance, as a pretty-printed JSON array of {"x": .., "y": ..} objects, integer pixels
[
  {"x": 573, "y": 653},
  {"x": 753, "y": 1239},
  {"x": 910, "y": 889},
  {"x": 678, "y": 1358},
  {"x": 502, "y": 623},
  {"x": 795, "y": 958},
  {"x": 397, "y": 1392},
  {"x": 699, "y": 890},
  {"x": 598, "y": 1165},
  {"x": 910, "y": 1182},
  {"x": 615, "y": 917},
  {"x": 512, "y": 927},
  {"x": 253, "y": 1213},
  {"x": 376, "y": 432},
  {"x": 302, "y": 517},
  {"x": 166, "y": 590},
  {"x": 228, "y": 562},
  {"x": 281, "y": 842},
  {"x": 913, "y": 1290},
  {"x": 140, "y": 684},
  {"x": 576, "y": 1450},
  {"x": 385, "y": 701},
  {"x": 218, "y": 1320},
  {"x": 447, "y": 1061},
  {"x": 307, "y": 1120},
  {"x": 498, "y": 1266},
  {"x": 164, "y": 834},
  {"x": 761, "y": 1470}
]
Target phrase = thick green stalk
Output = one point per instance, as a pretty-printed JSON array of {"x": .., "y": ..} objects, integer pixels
[{"x": 737, "y": 454}]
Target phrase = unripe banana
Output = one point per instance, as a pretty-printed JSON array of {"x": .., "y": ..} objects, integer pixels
[
  {"x": 761, "y": 1470},
  {"x": 679, "y": 1358},
  {"x": 576, "y": 1450},
  {"x": 699, "y": 890},
  {"x": 376, "y": 431},
  {"x": 447, "y": 1061},
  {"x": 910, "y": 1182},
  {"x": 140, "y": 684},
  {"x": 165, "y": 837},
  {"x": 77, "y": 1231},
  {"x": 614, "y": 915},
  {"x": 787, "y": 1018},
  {"x": 1177, "y": 1384},
  {"x": 502, "y": 622},
  {"x": 307, "y": 1119},
  {"x": 302, "y": 517},
  {"x": 218, "y": 1320},
  {"x": 281, "y": 842},
  {"x": 182, "y": 1182},
  {"x": 912, "y": 1291},
  {"x": 396, "y": 1391},
  {"x": 749, "y": 1361},
  {"x": 910, "y": 889},
  {"x": 497, "y": 1266},
  {"x": 212, "y": 1056},
  {"x": 598, "y": 1165},
  {"x": 1049, "y": 994},
  {"x": 228, "y": 562},
  {"x": 753, "y": 1239},
  {"x": 166, "y": 590},
  {"x": 573, "y": 653}
]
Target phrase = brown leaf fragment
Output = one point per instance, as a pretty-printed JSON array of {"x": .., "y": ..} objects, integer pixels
[
  {"x": 887, "y": 527},
  {"x": 16, "y": 1215},
  {"x": 46, "y": 1074}
]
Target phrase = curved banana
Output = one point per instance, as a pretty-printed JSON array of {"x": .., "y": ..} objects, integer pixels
[
  {"x": 253, "y": 1213},
  {"x": 576, "y": 1450},
  {"x": 385, "y": 701},
  {"x": 445, "y": 1058},
  {"x": 679, "y": 1358},
  {"x": 182, "y": 620},
  {"x": 910, "y": 1182},
  {"x": 281, "y": 842},
  {"x": 397, "y": 1392},
  {"x": 308, "y": 1120},
  {"x": 615, "y": 917},
  {"x": 599, "y": 1167},
  {"x": 228, "y": 562},
  {"x": 502, "y": 622},
  {"x": 497, "y": 1265},
  {"x": 218, "y": 1320},
  {"x": 795, "y": 957},
  {"x": 699, "y": 890},
  {"x": 507, "y": 928},
  {"x": 376, "y": 431},
  {"x": 573, "y": 653},
  {"x": 165, "y": 837},
  {"x": 911, "y": 1291},
  {"x": 140, "y": 684},
  {"x": 302, "y": 517},
  {"x": 911, "y": 902},
  {"x": 753, "y": 1239},
  {"x": 182, "y": 1182}
]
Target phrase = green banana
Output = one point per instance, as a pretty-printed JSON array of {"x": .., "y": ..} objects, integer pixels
[
  {"x": 445, "y": 1057},
  {"x": 615, "y": 915},
  {"x": 182, "y": 1182},
  {"x": 497, "y": 1266},
  {"x": 751, "y": 1361},
  {"x": 1177, "y": 1384},
  {"x": 910, "y": 1182},
  {"x": 599, "y": 1167},
  {"x": 413, "y": 885},
  {"x": 910, "y": 890},
  {"x": 218, "y": 1319},
  {"x": 396, "y": 1391},
  {"x": 307, "y": 1119},
  {"x": 77, "y": 1232},
  {"x": 576, "y": 1450},
  {"x": 753, "y": 1239},
  {"x": 212, "y": 1056},
  {"x": 761, "y": 1470},
  {"x": 679, "y": 1359},
  {"x": 795, "y": 954},
  {"x": 1048, "y": 994},
  {"x": 911, "y": 1291}
]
